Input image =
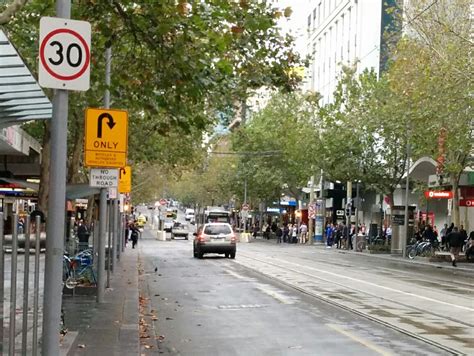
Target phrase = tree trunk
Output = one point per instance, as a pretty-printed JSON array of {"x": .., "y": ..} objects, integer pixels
[
  {"x": 74, "y": 165},
  {"x": 455, "y": 209},
  {"x": 44, "y": 170}
]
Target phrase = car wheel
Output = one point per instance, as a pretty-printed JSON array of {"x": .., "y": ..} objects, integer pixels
[
  {"x": 200, "y": 255},
  {"x": 227, "y": 255},
  {"x": 195, "y": 253},
  {"x": 186, "y": 238},
  {"x": 232, "y": 255}
]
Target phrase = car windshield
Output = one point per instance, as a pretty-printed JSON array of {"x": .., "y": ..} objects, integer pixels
[{"x": 217, "y": 229}]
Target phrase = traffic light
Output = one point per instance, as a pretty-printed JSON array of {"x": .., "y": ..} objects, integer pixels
[{"x": 348, "y": 209}]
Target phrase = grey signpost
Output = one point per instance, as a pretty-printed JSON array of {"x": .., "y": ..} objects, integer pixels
[
  {"x": 103, "y": 198},
  {"x": 56, "y": 72}
]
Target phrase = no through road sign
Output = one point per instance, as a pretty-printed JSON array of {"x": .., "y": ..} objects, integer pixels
[
  {"x": 104, "y": 178},
  {"x": 64, "y": 54},
  {"x": 106, "y": 138}
]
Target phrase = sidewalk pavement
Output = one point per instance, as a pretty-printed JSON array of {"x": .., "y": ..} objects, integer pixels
[
  {"x": 422, "y": 261},
  {"x": 110, "y": 328}
]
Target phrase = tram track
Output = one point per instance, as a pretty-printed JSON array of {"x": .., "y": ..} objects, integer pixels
[{"x": 416, "y": 322}]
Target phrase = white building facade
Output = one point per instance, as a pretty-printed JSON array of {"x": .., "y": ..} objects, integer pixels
[{"x": 342, "y": 32}]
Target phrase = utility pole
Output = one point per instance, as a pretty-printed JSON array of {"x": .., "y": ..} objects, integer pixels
[
  {"x": 103, "y": 198},
  {"x": 56, "y": 214},
  {"x": 310, "y": 219},
  {"x": 348, "y": 215},
  {"x": 407, "y": 192}
]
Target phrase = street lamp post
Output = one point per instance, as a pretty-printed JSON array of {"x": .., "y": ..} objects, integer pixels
[
  {"x": 310, "y": 218},
  {"x": 407, "y": 191}
]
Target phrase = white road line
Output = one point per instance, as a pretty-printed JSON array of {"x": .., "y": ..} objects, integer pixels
[
  {"x": 377, "y": 286},
  {"x": 361, "y": 341}
]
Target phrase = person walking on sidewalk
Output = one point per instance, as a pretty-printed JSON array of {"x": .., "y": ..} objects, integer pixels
[
  {"x": 83, "y": 235},
  {"x": 294, "y": 234},
  {"x": 455, "y": 242},
  {"x": 286, "y": 232},
  {"x": 329, "y": 229},
  {"x": 303, "y": 233},
  {"x": 135, "y": 233},
  {"x": 279, "y": 234}
]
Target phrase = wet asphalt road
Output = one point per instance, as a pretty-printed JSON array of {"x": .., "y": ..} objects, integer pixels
[{"x": 217, "y": 306}]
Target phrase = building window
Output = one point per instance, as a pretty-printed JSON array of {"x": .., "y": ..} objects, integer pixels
[{"x": 319, "y": 14}]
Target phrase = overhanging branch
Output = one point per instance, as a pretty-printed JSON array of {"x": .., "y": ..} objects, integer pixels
[{"x": 11, "y": 10}]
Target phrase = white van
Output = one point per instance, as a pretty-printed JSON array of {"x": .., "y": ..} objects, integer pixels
[{"x": 189, "y": 215}]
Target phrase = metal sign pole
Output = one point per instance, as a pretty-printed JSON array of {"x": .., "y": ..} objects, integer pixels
[
  {"x": 13, "y": 288},
  {"x": 103, "y": 198},
  {"x": 26, "y": 282},
  {"x": 113, "y": 231},
  {"x": 56, "y": 213},
  {"x": 101, "y": 247},
  {"x": 2, "y": 281}
]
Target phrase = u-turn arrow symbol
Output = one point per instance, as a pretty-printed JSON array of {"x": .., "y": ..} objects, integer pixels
[{"x": 110, "y": 123}]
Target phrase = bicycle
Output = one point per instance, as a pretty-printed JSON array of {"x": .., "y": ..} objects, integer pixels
[
  {"x": 78, "y": 270},
  {"x": 422, "y": 248}
]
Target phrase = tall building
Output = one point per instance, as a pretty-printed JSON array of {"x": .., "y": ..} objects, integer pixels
[{"x": 344, "y": 32}]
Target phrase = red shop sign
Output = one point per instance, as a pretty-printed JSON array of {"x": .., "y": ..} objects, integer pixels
[
  {"x": 467, "y": 202},
  {"x": 438, "y": 194}
]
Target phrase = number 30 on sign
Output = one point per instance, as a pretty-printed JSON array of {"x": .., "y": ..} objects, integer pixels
[{"x": 64, "y": 54}]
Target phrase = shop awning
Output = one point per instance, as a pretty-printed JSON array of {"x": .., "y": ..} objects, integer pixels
[{"x": 21, "y": 98}]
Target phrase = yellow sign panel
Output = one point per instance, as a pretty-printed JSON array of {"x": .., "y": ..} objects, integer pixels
[
  {"x": 106, "y": 138},
  {"x": 125, "y": 180}
]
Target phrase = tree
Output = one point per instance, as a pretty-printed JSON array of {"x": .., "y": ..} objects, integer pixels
[
  {"x": 175, "y": 67},
  {"x": 278, "y": 147},
  {"x": 435, "y": 63}
]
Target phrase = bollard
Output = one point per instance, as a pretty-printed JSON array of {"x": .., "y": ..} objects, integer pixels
[
  {"x": 95, "y": 242},
  {"x": 117, "y": 229},
  {"x": 2, "y": 280},
  {"x": 109, "y": 241},
  {"x": 11, "y": 344},
  {"x": 113, "y": 234},
  {"x": 36, "y": 285},
  {"x": 26, "y": 282}
]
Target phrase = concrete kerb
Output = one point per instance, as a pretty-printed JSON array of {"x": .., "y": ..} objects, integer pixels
[
  {"x": 400, "y": 259},
  {"x": 388, "y": 257}
]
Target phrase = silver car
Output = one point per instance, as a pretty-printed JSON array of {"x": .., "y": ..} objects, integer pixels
[{"x": 215, "y": 238}]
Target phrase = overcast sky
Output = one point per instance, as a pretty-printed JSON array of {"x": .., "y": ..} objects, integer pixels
[{"x": 296, "y": 25}]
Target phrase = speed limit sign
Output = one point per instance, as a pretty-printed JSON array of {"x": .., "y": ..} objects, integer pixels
[{"x": 64, "y": 54}]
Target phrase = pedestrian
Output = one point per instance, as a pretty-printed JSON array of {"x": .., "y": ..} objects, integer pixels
[
  {"x": 255, "y": 231},
  {"x": 294, "y": 234},
  {"x": 463, "y": 233},
  {"x": 329, "y": 237},
  {"x": 279, "y": 234},
  {"x": 345, "y": 235},
  {"x": 455, "y": 242},
  {"x": 286, "y": 232},
  {"x": 388, "y": 232},
  {"x": 303, "y": 233},
  {"x": 351, "y": 235},
  {"x": 135, "y": 232},
  {"x": 83, "y": 234},
  {"x": 429, "y": 234},
  {"x": 338, "y": 235},
  {"x": 268, "y": 231},
  {"x": 443, "y": 234},
  {"x": 470, "y": 249}
]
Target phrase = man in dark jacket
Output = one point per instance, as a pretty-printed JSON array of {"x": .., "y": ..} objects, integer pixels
[
  {"x": 456, "y": 241},
  {"x": 83, "y": 235}
]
